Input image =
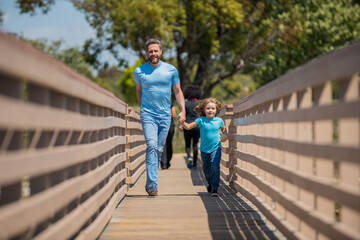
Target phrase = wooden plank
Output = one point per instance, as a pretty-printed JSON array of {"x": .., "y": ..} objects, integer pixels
[
  {"x": 134, "y": 164},
  {"x": 136, "y": 138},
  {"x": 133, "y": 178},
  {"x": 19, "y": 215},
  {"x": 318, "y": 150},
  {"x": 14, "y": 166},
  {"x": 349, "y": 135},
  {"x": 96, "y": 227},
  {"x": 46, "y": 118},
  {"x": 347, "y": 195},
  {"x": 333, "y": 66},
  {"x": 73, "y": 221},
  {"x": 320, "y": 221},
  {"x": 136, "y": 150},
  {"x": 184, "y": 210},
  {"x": 39, "y": 68},
  {"x": 338, "y": 110}
]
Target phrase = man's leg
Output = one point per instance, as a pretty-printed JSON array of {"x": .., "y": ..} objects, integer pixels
[
  {"x": 163, "y": 129},
  {"x": 150, "y": 128}
]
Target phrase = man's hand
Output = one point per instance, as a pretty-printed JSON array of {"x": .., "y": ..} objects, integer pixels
[{"x": 181, "y": 117}]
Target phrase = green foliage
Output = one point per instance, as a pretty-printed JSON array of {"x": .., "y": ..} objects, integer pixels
[
  {"x": 30, "y": 6},
  {"x": 126, "y": 85},
  {"x": 320, "y": 27},
  {"x": 72, "y": 57},
  {"x": 214, "y": 40},
  {"x": 234, "y": 88},
  {"x": 1, "y": 17}
]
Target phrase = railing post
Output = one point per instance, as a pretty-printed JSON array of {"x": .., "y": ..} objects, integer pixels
[{"x": 128, "y": 145}]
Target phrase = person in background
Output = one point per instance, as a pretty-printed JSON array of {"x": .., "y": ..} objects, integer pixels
[
  {"x": 192, "y": 94},
  {"x": 153, "y": 81},
  {"x": 168, "y": 149},
  {"x": 210, "y": 145}
]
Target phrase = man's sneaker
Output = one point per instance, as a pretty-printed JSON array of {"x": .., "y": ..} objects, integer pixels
[
  {"x": 209, "y": 189},
  {"x": 189, "y": 162},
  {"x": 214, "y": 193},
  {"x": 194, "y": 167},
  {"x": 152, "y": 191}
]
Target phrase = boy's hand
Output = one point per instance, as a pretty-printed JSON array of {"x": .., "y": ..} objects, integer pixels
[{"x": 224, "y": 137}]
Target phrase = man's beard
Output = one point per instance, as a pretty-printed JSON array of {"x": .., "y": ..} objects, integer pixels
[{"x": 154, "y": 60}]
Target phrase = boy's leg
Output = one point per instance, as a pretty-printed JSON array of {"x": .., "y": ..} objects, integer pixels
[
  {"x": 205, "y": 157},
  {"x": 215, "y": 169}
]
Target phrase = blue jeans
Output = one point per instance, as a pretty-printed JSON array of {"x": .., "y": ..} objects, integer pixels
[
  {"x": 155, "y": 131},
  {"x": 211, "y": 166}
]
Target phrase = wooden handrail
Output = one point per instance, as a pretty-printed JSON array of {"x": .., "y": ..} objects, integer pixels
[
  {"x": 296, "y": 148},
  {"x": 65, "y": 144}
]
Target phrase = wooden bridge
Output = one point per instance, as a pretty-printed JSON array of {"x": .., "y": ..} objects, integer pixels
[{"x": 72, "y": 159}]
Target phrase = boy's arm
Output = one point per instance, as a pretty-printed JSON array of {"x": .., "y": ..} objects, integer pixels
[{"x": 189, "y": 126}]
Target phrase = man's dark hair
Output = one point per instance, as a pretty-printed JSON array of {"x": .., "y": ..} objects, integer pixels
[
  {"x": 152, "y": 41},
  {"x": 192, "y": 91}
]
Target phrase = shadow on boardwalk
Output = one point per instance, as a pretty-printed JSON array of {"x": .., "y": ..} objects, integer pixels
[{"x": 229, "y": 216}]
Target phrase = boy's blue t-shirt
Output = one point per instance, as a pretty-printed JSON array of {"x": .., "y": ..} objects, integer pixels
[
  {"x": 209, "y": 133},
  {"x": 156, "y": 85}
]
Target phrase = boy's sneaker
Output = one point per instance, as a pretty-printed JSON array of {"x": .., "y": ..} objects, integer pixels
[
  {"x": 209, "y": 189},
  {"x": 194, "y": 167},
  {"x": 214, "y": 193},
  {"x": 152, "y": 191},
  {"x": 189, "y": 162}
]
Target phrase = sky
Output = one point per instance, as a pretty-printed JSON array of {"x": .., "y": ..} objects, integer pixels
[{"x": 62, "y": 21}]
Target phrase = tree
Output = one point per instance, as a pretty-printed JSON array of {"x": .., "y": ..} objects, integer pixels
[
  {"x": 212, "y": 40},
  {"x": 73, "y": 57},
  {"x": 323, "y": 26},
  {"x": 1, "y": 17}
]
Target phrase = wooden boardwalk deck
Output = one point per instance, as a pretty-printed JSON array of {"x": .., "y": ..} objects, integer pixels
[{"x": 184, "y": 210}]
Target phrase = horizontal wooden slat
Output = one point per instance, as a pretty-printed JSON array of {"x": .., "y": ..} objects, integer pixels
[
  {"x": 136, "y": 138},
  {"x": 41, "y": 69},
  {"x": 75, "y": 219},
  {"x": 18, "y": 216},
  {"x": 136, "y": 150},
  {"x": 333, "y": 66},
  {"x": 134, "y": 125},
  {"x": 328, "y": 151},
  {"x": 134, "y": 164},
  {"x": 44, "y": 117},
  {"x": 96, "y": 227},
  {"x": 289, "y": 231},
  {"x": 334, "y": 112},
  {"x": 345, "y": 195},
  {"x": 224, "y": 175},
  {"x": 14, "y": 166},
  {"x": 133, "y": 113},
  {"x": 319, "y": 221},
  {"x": 133, "y": 178}
]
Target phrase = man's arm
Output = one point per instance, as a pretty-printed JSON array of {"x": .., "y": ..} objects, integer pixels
[
  {"x": 138, "y": 93},
  {"x": 181, "y": 102}
]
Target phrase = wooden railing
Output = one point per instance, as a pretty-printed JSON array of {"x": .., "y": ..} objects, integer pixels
[
  {"x": 68, "y": 148},
  {"x": 295, "y": 149}
]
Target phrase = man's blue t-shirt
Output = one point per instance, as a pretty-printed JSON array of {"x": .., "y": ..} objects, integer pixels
[
  {"x": 156, "y": 85},
  {"x": 209, "y": 133}
]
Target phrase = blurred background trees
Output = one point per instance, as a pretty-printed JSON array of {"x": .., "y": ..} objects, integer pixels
[{"x": 224, "y": 46}]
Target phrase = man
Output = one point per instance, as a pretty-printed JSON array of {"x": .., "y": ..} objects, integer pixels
[{"x": 154, "y": 80}]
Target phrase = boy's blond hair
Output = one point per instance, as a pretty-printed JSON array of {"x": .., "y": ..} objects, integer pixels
[{"x": 200, "y": 109}]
